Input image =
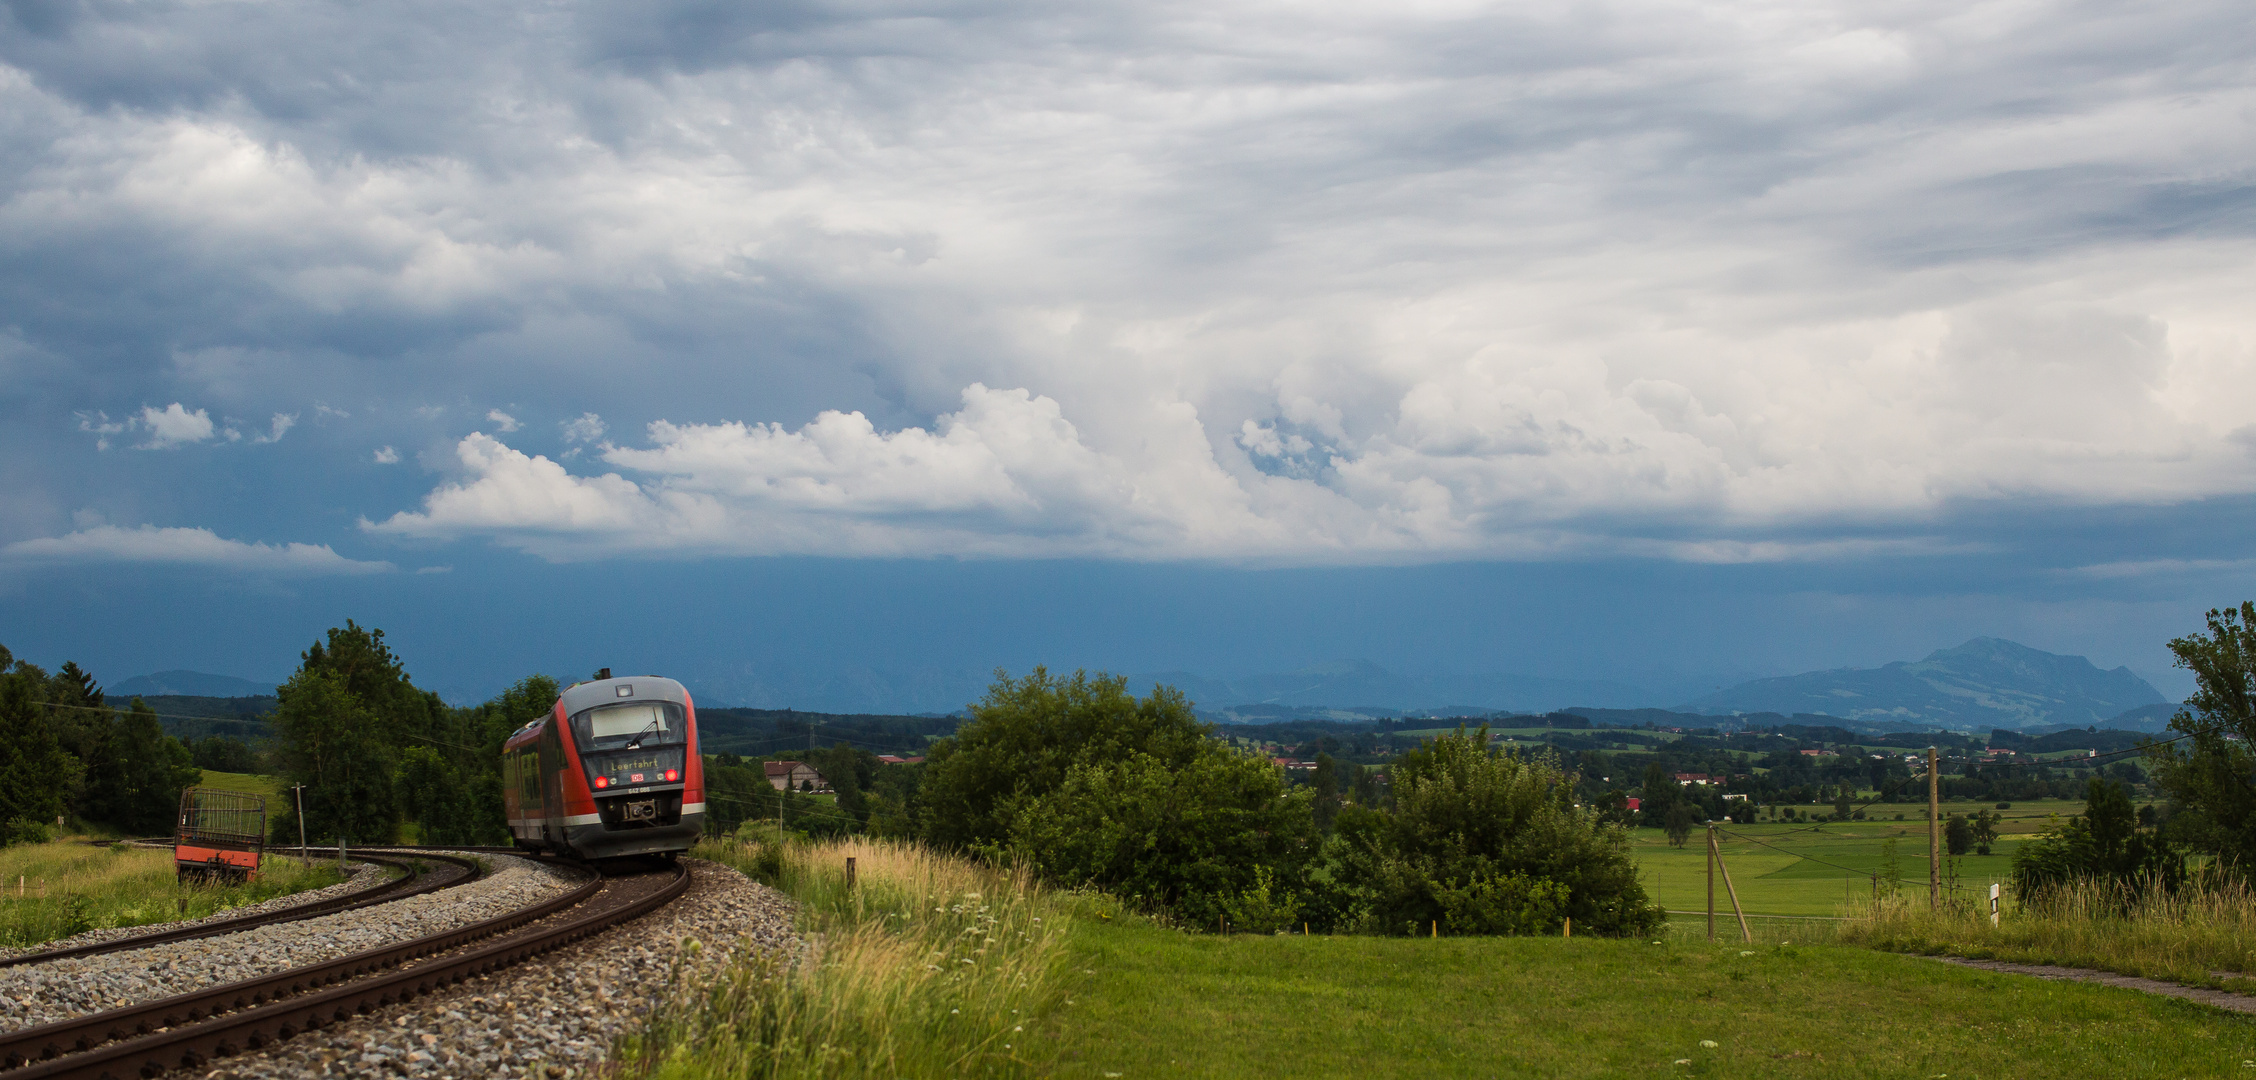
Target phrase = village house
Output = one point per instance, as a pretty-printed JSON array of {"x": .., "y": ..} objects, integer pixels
[
  {"x": 889, "y": 759},
  {"x": 794, "y": 776}
]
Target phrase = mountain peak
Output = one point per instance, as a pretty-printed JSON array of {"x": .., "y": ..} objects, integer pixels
[
  {"x": 1987, "y": 680},
  {"x": 184, "y": 683}
]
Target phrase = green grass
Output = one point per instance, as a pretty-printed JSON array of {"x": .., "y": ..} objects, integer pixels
[
  {"x": 1156, "y": 1002},
  {"x": 269, "y": 786},
  {"x": 931, "y": 966},
  {"x": 68, "y": 888},
  {"x": 1784, "y": 879},
  {"x": 2204, "y": 935}
]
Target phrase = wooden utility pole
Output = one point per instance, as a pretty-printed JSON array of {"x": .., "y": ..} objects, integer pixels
[
  {"x": 1715, "y": 855},
  {"x": 1711, "y": 881},
  {"x": 299, "y": 791},
  {"x": 1934, "y": 835}
]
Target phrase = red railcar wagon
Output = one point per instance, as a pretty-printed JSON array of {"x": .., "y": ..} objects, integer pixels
[{"x": 221, "y": 834}]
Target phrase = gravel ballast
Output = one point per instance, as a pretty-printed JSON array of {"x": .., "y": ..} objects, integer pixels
[
  {"x": 552, "y": 1017},
  {"x": 61, "y": 989}
]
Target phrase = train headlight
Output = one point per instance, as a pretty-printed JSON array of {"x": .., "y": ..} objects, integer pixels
[{"x": 673, "y": 774}]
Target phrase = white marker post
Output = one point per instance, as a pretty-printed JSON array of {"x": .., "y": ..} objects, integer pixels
[{"x": 1993, "y": 903}]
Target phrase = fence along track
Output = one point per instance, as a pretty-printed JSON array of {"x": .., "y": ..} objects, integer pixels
[
  {"x": 410, "y": 883},
  {"x": 144, "y": 1040}
]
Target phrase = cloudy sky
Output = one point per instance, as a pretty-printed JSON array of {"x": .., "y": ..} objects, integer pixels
[{"x": 1661, "y": 340}]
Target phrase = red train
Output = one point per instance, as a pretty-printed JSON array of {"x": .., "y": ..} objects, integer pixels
[{"x": 613, "y": 770}]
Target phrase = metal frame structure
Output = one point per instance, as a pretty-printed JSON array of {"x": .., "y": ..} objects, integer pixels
[{"x": 221, "y": 833}]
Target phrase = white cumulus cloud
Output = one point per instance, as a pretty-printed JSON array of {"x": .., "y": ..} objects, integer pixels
[
  {"x": 502, "y": 421},
  {"x": 174, "y": 426}
]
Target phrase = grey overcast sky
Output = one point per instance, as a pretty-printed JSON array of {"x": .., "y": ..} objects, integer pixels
[{"x": 1656, "y": 340}]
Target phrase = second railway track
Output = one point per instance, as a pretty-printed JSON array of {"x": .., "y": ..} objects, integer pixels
[
  {"x": 411, "y": 882},
  {"x": 189, "y": 1030}
]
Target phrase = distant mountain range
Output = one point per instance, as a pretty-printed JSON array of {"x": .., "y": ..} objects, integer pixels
[
  {"x": 186, "y": 684},
  {"x": 1985, "y": 683},
  {"x": 1352, "y": 688}
]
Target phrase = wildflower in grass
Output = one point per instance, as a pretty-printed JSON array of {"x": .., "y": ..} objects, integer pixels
[{"x": 1708, "y": 1044}]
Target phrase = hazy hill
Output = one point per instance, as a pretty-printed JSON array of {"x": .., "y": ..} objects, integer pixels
[
  {"x": 1347, "y": 687},
  {"x": 187, "y": 684},
  {"x": 1985, "y": 683}
]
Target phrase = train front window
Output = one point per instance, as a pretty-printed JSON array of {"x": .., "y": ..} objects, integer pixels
[{"x": 639, "y": 723}]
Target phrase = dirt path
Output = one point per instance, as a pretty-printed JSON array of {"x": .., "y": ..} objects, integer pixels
[{"x": 2236, "y": 1002}]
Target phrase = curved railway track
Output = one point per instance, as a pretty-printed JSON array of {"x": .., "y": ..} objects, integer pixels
[
  {"x": 189, "y": 1030},
  {"x": 411, "y": 882}
]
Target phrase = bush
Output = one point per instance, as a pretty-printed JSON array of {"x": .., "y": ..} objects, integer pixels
[
  {"x": 1023, "y": 740},
  {"x": 1218, "y": 837},
  {"x": 1492, "y": 843},
  {"x": 2104, "y": 844}
]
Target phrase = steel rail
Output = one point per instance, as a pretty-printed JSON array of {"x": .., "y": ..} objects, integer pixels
[
  {"x": 411, "y": 883},
  {"x": 182, "y": 1032}
]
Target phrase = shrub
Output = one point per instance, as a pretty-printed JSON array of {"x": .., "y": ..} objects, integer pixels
[
  {"x": 1493, "y": 844},
  {"x": 1028, "y": 734},
  {"x": 1218, "y": 837},
  {"x": 2104, "y": 843}
]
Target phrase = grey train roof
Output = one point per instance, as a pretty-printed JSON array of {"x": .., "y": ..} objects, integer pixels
[{"x": 588, "y": 695}]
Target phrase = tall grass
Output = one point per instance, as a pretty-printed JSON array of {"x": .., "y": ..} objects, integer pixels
[
  {"x": 2204, "y": 934},
  {"x": 69, "y": 888},
  {"x": 930, "y": 966}
]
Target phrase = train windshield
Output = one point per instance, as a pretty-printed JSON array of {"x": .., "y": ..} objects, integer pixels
[{"x": 644, "y": 723}]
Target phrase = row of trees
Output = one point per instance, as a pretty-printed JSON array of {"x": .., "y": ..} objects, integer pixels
[
  {"x": 65, "y": 753},
  {"x": 1094, "y": 786},
  {"x": 2207, "y": 773}
]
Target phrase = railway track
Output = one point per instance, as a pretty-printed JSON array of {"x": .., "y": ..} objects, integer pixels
[
  {"x": 411, "y": 882},
  {"x": 189, "y": 1030}
]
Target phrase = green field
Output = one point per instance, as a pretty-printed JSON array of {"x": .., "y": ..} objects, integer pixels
[
  {"x": 1156, "y": 1002},
  {"x": 1782, "y": 879},
  {"x": 269, "y": 786}
]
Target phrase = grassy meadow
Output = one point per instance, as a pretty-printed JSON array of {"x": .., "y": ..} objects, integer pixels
[
  {"x": 939, "y": 967},
  {"x": 1779, "y": 880},
  {"x": 66, "y": 887},
  {"x": 1151, "y": 1001},
  {"x": 269, "y": 786},
  {"x": 931, "y": 966}
]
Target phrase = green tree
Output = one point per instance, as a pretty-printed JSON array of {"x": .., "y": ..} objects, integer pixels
[
  {"x": 1490, "y": 843},
  {"x": 1027, "y": 734},
  {"x": 1958, "y": 834},
  {"x": 851, "y": 773},
  {"x": 1678, "y": 820},
  {"x": 1219, "y": 836},
  {"x": 1326, "y": 789},
  {"x": 469, "y": 741},
  {"x": 2104, "y": 843},
  {"x": 333, "y": 744},
  {"x": 1985, "y": 825},
  {"x": 2211, "y": 773},
  {"x": 34, "y": 769},
  {"x": 136, "y": 776}
]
